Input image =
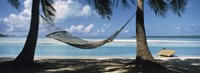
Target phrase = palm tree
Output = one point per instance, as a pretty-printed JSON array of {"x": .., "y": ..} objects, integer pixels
[
  {"x": 160, "y": 7},
  {"x": 28, "y": 51}
]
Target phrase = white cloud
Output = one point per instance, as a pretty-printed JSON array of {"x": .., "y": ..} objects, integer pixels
[
  {"x": 10, "y": 28},
  {"x": 86, "y": 10},
  {"x": 107, "y": 25},
  {"x": 71, "y": 1},
  {"x": 70, "y": 8},
  {"x": 87, "y": 29},
  {"x": 102, "y": 29},
  {"x": 80, "y": 28},
  {"x": 64, "y": 9},
  {"x": 27, "y": 3},
  {"x": 126, "y": 31},
  {"x": 19, "y": 22},
  {"x": 178, "y": 29},
  {"x": 193, "y": 24}
]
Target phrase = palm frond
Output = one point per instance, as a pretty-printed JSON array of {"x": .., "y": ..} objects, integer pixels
[
  {"x": 14, "y": 3},
  {"x": 124, "y": 3},
  {"x": 178, "y": 6},
  {"x": 102, "y": 7},
  {"x": 48, "y": 10},
  {"x": 133, "y": 1},
  {"x": 160, "y": 7}
]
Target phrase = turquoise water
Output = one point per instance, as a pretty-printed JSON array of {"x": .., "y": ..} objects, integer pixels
[{"x": 120, "y": 48}]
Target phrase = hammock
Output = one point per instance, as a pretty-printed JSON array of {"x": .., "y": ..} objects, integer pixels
[{"x": 67, "y": 38}]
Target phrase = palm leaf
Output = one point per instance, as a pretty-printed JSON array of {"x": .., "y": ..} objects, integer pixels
[
  {"x": 178, "y": 6},
  {"x": 158, "y": 6},
  {"x": 102, "y": 7},
  {"x": 124, "y": 3},
  {"x": 48, "y": 10},
  {"x": 14, "y": 3}
]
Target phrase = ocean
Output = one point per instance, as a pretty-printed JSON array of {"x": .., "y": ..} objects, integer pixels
[{"x": 119, "y": 48}]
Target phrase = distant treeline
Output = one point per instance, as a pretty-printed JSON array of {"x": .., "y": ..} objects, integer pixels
[{"x": 2, "y": 35}]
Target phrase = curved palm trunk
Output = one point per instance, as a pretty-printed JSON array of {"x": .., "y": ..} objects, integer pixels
[
  {"x": 143, "y": 53},
  {"x": 27, "y": 54}
]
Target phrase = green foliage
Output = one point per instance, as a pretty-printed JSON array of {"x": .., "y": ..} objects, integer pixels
[
  {"x": 14, "y": 3},
  {"x": 177, "y": 6},
  {"x": 124, "y": 3},
  {"x": 48, "y": 10},
  {"x": 158, "y": 6},
  {"x": 103, "y": 7}
]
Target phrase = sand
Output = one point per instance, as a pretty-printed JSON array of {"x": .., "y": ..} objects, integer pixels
[{"x": 173, "y": 65}]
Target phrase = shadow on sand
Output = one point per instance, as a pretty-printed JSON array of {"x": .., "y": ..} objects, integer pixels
[{"x": 97, "y": 66}]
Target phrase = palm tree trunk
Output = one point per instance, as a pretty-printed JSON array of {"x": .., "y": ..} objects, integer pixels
[
  {"x": 28, "y": 51},
  {"x": 143, "y": 53}
]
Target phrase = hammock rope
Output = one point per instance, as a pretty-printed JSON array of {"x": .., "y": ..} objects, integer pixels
[{"x": 74, "y": 41}]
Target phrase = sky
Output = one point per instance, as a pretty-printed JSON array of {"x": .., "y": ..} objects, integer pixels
[{"x": 80, "y": 19}]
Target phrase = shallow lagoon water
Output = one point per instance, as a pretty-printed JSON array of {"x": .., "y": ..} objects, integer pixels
[{"x": 120, "y": 48}]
